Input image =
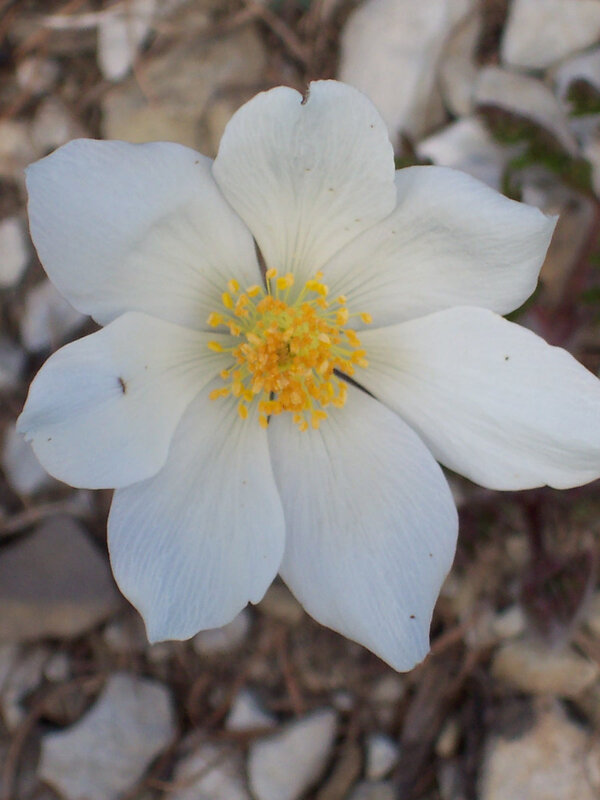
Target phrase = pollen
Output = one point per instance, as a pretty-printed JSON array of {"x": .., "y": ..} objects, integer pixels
[{"x": 290, "y": 355}]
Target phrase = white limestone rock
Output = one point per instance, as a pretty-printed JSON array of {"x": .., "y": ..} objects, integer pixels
[
  {"x": 539, "y": 33},
  {"x": 219, "y": 641},
  {"x": 534, "y": 669},
  {"x": 525, "y": 97},
  {"x": 391, "y": 50},
  {"x": 467, "y": 145},
  {"x": 554, "y": 760},
  {"x": 122, "y": 31},
  {"x": 211, "y": 772},
  {"x": 104, "y": 754},
  {"x": 246, "y": 713},
  {"x": 382, "y": 756},
  {"x": 14, "y": 251},
  {"x": 285, "y": 765}
]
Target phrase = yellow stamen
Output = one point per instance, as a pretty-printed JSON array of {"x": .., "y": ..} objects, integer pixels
[{"x": 287, "y": 353}]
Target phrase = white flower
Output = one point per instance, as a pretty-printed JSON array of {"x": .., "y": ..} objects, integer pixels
[{"x": 193, "y": 399}]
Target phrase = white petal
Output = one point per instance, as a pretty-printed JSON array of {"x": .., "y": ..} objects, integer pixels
[
  {"x": 306, "y": 177},
  {"x": 451, "y": 241},
  {"x": 491, "y": 399},
  {"x": 192, "y": 545},
  {"x": 123, "y": 227},
  {"x": 371, "y": 526},
  {"x": 102, "y": 410}
]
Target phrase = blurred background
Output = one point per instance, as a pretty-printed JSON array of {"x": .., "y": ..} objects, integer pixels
[{"x": 274, "y": 707}]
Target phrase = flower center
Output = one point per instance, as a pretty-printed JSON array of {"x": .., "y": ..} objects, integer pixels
[{"x": 287, "y": 353}]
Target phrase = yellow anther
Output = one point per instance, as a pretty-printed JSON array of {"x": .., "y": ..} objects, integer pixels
[
  {"x": 227, "y": 300},
  {"x": 366, "y": 318},
  {"x": 214, "y": 319},
  {"x": 352, "y": 338},
  {"x": 341, "y": 300},
  {"x": 286, "y": 354}
]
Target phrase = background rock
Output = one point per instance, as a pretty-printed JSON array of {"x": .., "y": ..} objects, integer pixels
[
  {"x": 54, "y": 582},
  {"x": 107, "y": 751}
]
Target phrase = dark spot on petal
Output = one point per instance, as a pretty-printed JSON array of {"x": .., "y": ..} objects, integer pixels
[
  {"x": 331, "y": 189},
  {"x": 506, "y": 358},
  {"x": 371, "y": 126},
  {"x": 412, "y": 616},
  {"x": 430, "y": 555},
  {"x": 122, "y": 384},
  {"x": 196, "y": 161}
]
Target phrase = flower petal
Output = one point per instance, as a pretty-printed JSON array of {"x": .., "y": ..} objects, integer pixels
[
  {"x": 491, "y": 399},
  {"x": 123, "y": 227},
  {"x": 450, "y": 241},
  {"x": 192, "y": 545},
  {"x": 306, "y": 176},
  {"x": 102, "y": 410},
  {"x": 371, "y": 526}
]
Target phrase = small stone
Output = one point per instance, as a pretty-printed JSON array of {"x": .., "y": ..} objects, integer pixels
[
  {"x": 53, "y": 125},
  {"x": 23, "y": 471},
  {"x": 181, "y": 81},
  {"x": 14, "y": 252},
  {"x": 529, "y": 667},
  {"x": 540, "y": 32},
  {"x": 279, "y": 603},
  {"x": 12, "y": 361},
  {"x": 554, "y": 760},
  {"x": 103, "y": 755},
  {"x": 343, "y": 701},
  {"x": 212, "y": 772},
  {"x": 54, "y": 582},
  {"x": 121, "y": 32},
  {"x": 58, "y": 668},
  {"x": 26, "y": 673},
  {"x": 447, "y": 742},
  {"x": 373, "y": 790},
  {"x": 390, "y": 50},
  {"x": 36, "y": 75},
  {"x": 527, "y": 98},
  {"x": 246, "y": 714},
  {"x": 467, "y": 145},
  {"x": 382, "y": 756},
  {"x": 458, "y": 71},
  {"x": 284, "y": 766},
  {"x": 16, "y": 150},
  {"x": 47, "y": 319},
  {"x": 126, "y": 634},
  {"x": 509, "y": 623},
  {"x": 388, "y": 690},
  {"x": 585, "y": 67},
  {"x": 218, "y": 641}
]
